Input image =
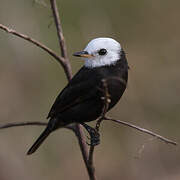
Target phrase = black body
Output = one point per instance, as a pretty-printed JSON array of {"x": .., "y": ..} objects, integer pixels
[{"x": 81, "y": 100}]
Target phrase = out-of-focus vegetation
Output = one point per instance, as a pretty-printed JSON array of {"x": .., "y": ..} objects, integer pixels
[{"x": 30, "y": 80}]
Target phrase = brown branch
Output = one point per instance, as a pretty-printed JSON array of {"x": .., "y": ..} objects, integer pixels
[
  {"x": 143, "y": 130},
  {"x": 68, "y": 71},
  {"x": 17, "y": 124},
  {"x": 62, "y": 43},
  {"x": 81, "y": 138},
  {"x": 32, "y": 123},
  {"x": 106, "y": 100},
  {"x": 60, "y": 59}
]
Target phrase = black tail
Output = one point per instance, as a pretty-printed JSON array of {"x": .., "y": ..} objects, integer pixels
[{"x": 39, "y": 141}]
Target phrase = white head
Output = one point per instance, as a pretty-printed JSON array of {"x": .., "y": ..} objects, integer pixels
[{"x": 100, "y": 52}]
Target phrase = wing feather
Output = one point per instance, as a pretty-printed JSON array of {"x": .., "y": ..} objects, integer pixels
[{"x": 80, "y": 89}]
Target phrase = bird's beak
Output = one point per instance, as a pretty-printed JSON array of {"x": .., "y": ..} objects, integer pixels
[{"x": 84, "y": 54}]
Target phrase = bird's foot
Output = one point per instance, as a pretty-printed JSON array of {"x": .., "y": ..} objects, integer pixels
[
  {"x": 94, "y": 135},
  {"x": 94, "y": 138}
]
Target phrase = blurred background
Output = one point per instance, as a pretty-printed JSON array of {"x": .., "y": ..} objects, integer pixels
[{"x": 30, "y": 80}]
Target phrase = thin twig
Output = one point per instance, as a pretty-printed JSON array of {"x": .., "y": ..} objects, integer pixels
[
  {"x": 81, "y": 138},
  {"x": 60, "y": 59},
  {"x": 62, "y": 43},
  {"x": 16, "y": 124},
  {"x": 32, "y": 123},
  {"x": 143, "y": 130},
  {"x": 106, "y": 100},
  {"x": 68, "y": 71},
  {"x": 90, "y": 160}
]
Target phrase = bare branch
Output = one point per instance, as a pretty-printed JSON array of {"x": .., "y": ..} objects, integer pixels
[
  {"x": 68, "y": 71},
  {"x": 143, "y": 130},
  {"x": 61, "y": 60},
  {"x": 64, "y": 61},
  {"x": 16, "y": 124},
  {"x": 106, "y": 100},
  {"x": 90, "y": 160},
  {"x": 81, "y": 138},
  {"x": 33, "y": 123},
  {"x": 62, "y": 43}
]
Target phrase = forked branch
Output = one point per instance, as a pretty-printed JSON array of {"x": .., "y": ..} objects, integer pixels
[
  {"x": 64, "y": 61},
  {"x": 60, "y": 59}
]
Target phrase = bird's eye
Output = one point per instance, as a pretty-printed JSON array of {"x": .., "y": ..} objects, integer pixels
[{"x": 102, "y": 52}]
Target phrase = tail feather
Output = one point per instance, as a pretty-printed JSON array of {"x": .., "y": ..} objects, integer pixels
[{"x": 39, "y": 141}]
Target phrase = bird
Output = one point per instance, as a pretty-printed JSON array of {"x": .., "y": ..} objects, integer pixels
[{"x": 81, "y": 99}]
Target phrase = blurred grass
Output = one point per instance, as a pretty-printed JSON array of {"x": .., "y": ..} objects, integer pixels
[{"x": 30, "y": 80}]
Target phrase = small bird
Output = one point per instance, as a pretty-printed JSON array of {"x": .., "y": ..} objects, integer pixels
[{"x": 81, "y": 100}]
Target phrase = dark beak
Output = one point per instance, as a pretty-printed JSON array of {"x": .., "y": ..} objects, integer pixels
[{"x": 84, "y": 54}]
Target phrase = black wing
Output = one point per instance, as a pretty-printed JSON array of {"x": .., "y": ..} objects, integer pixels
[{"x": 80, "y": 89}]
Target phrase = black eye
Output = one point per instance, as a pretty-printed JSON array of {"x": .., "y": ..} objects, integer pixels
[{"x": 102, "y": 52}]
